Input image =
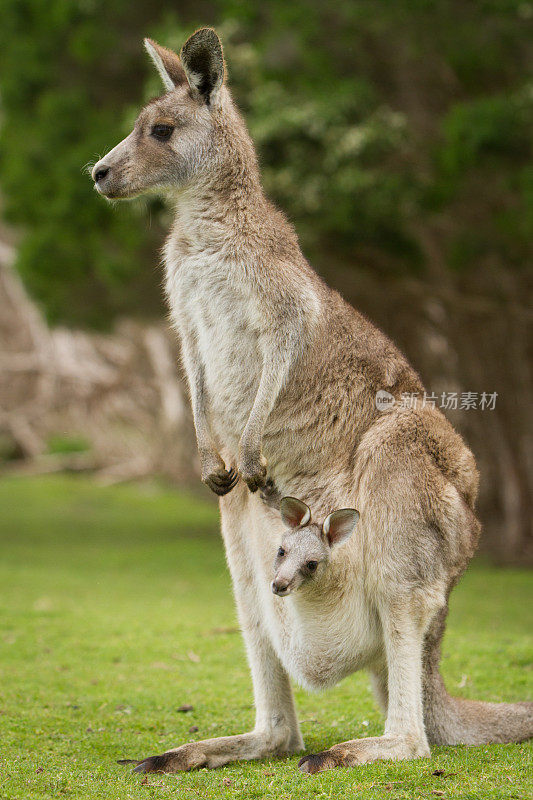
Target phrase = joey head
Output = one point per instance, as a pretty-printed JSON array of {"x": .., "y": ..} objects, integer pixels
[{"x": 306, "y": 546}]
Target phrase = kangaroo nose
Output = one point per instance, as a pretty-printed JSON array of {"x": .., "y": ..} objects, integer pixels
[
  {"x": 279, "y": 587},
  {"x": 100, "y": 173}
]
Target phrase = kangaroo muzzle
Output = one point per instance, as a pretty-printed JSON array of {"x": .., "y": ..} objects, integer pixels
[{"x": 281, "y": 587}]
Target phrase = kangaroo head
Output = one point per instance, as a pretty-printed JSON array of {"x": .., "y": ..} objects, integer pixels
[
  {"x": 306, "y": 546},
  {"x": 181, "y": 136}
]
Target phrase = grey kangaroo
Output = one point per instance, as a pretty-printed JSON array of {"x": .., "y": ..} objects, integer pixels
[{"x": 283, "y": 376}]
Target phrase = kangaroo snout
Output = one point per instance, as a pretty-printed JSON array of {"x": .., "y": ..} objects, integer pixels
[
  {"x": 281, "y": 588},
  {"x": 102, "y": 175},
  {"x": 99, "y": 173}
]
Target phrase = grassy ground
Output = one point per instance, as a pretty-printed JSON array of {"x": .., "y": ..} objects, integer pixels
[{"x": 116, "y": 609}]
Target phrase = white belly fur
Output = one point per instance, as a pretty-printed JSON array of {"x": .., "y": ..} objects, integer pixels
[
  {"x": 318, "y": 642},
  {"x": 224, "y": 323}
]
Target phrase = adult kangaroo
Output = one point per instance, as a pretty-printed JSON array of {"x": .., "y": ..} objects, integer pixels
[{"x": 283, "y": 377}]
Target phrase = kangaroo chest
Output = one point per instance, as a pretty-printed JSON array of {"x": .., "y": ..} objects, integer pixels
[{"x": 220, "y": 319}]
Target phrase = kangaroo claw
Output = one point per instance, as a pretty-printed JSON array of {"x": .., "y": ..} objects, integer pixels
[{"x": 222, "y": 481}]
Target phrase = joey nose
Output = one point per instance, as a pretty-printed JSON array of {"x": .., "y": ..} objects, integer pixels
[
  {"x": 100, "y": 173},
  {"x": 279, "y": 587}
]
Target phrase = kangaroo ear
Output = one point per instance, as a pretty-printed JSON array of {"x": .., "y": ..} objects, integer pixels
[
  {"x": 294, "y": 513},
  {"x": 340, "y": 525},
  {"x": 203, "y": 62},
  {"x": 167, "y": 64}
]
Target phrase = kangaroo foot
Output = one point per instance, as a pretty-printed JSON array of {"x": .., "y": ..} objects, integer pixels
[
  {"x": 362, "y": 751},
  {"x": 213, "y": 753}
]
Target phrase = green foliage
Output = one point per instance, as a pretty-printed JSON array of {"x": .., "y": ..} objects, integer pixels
[
  {"x": 484, "y": 163},
  {"x": 121, "y": 598},
  {"x": 64, "y": 96},
  {"x": 488, "y": 128},
  {"x": 63, "y": 445},
  {"x": 371, "y": 121}
]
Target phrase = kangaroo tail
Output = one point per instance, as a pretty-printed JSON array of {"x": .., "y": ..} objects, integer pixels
[{"x": 452, "y": 720}]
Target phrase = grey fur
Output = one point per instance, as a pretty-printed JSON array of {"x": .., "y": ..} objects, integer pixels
[{"x": 306, "y": 547}]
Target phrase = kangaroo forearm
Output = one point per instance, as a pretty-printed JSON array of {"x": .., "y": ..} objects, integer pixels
[
  {"x": 252, "y": 464},
  {"x": 196, "y": 380},
  {"x": 273, "y": 377},
  {"x": 204, "y": 438},
  {"x": 213, "y": 470}
]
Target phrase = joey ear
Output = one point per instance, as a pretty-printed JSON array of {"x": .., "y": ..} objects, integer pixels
[
  {"x": 294, "y": 513},
  {"x": 203, "y": 62},
  {"x": 340, "y": 525},
  {"x": 167, "y": 63}
]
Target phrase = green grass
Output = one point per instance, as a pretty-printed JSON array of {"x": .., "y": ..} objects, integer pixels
[{"x": 116, "y": 609}]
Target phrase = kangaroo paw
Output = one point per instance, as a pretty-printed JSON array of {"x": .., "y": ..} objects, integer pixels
[
  {"x": 222, "y": 481},
  {"x": 253, "y": 472}
]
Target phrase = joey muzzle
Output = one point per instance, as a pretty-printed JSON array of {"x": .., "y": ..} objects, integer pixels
[{"x": 281, "y": 587}]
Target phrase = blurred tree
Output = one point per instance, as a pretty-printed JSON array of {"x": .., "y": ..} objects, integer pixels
[
  {"x": 68, "y": 73},
  {"x": 383, "y": 113},
  {"x": 397, "y": 136}
]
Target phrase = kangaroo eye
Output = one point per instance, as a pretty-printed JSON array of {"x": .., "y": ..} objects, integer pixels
[
  {"x": 162, "y": 132},
  {"x": 281, "y": 552},
  {"x": 312, "y": 565}
]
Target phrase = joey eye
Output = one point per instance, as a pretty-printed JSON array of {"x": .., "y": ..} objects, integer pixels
[
  {"x": 312, "y": 565},
  {"x": 281, "y": 552},
  {"x": 162, "y": 132}
]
